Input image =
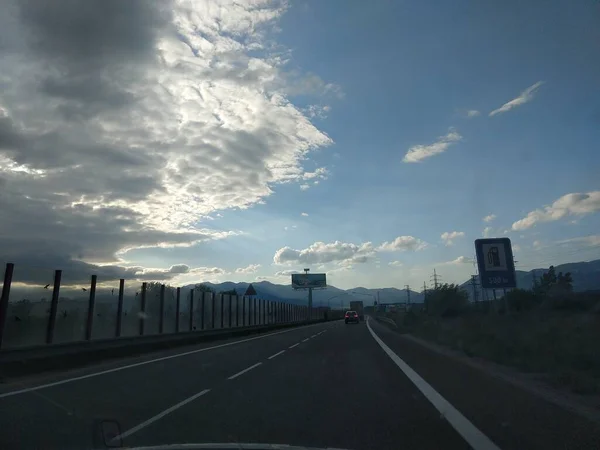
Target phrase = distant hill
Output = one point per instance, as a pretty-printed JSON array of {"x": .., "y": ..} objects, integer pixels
[
  {"x": 331, "y": 296},
  {"x": 586, "y": 276}
]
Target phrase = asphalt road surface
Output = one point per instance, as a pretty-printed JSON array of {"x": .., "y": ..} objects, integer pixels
[{"x": 327, "y": 385}]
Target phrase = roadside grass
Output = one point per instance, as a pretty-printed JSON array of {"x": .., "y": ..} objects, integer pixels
[{"x": 563, "y": 348}]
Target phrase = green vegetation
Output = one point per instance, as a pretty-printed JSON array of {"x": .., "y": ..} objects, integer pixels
[
  {"x": 203, "y": 288},
  {"x": 549, "y": 330}
]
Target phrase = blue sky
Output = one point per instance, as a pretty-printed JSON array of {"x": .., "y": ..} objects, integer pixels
[{"x": 505, "y": 95}]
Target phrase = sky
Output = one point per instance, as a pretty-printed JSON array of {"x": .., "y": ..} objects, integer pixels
[{"x": 188, "y": 141}]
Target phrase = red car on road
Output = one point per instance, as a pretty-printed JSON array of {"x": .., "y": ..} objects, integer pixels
[{"x": 351, "y": 316}]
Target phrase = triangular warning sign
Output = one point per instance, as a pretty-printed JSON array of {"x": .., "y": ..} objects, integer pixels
[{"x": 250, "y": 290}]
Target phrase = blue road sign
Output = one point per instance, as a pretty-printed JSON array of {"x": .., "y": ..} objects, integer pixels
[{"x": 496, "y": 263}]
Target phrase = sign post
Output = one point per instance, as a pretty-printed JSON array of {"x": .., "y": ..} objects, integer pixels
[{"x": 309, "y": 281}]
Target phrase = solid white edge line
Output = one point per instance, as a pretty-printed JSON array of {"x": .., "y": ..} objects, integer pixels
[
  {"x": 241, "y": 372},
  {"x": 276, "y": 354},
  {"x": 160, "y": 415},
  {"x": 130, "y": 366},
  {"x": 295, "y": 345},
  {"x": 470, "y": 433},
  {"x": 314, "y": 335},
  {"x": 304, "y": 340}
]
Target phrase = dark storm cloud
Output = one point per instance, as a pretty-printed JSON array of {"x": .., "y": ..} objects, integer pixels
[
  {"x": 10, "y": 138},
  {"x": 93, "y": 49},
  {"x": 89, "y": 31}
]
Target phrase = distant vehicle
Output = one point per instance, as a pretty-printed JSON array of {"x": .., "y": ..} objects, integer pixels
[
  {"x": 359, "y": 308},
  {"x": 351, "y": 316}
]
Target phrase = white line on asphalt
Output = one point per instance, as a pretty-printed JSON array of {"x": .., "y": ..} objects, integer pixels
[
  {"x": 304, "y": 340},
  {"x": 314, "y": 335},
  {"x": 470, "y": 433},
  {"x": 276, "y": 354},
  {"x": 130, "y": 366},
  {"x": 241, "y": 372},
  {"x": 160, "y": 415},
  {"x": 296, "y": 344}
]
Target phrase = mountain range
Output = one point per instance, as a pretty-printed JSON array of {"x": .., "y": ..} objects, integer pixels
[{"x": 586, "y": 276}]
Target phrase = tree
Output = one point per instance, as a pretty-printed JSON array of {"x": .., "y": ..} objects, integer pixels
[
  {"x": 565, "y": 282},
  {"x": 201, "y": 287},
  {"x": 551, "y": 284},
  {"x": 446, "y": 300}
]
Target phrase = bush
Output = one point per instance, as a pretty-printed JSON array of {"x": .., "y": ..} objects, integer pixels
[
  {"x": 446, "y": 300},
  {"x": 522, "y": 300}
]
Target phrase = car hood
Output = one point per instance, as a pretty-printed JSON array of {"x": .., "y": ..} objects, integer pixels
[{"x": 233, "y": 445}]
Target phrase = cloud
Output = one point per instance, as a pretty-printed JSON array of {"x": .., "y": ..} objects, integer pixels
[
  {"x": 488, "y": 232},
  {"x": 402, "y": 244},
  {"x": 321, "y": 173},
  {"x": 576, "y": 204},
  {"x": 586, "y": 241},
  {"x": 449, "y": 236},
  {"x": 473, "y": 113},
  {"x": 526, "y": 96},
  {"x": 286, "y": 273},
  {"x": 537, "y": 245},
  {"x": 322, "y": 253},
  {"x": 304, "y": 187},
  {"x": 124, "y": 124},
  {"x": 489, "y": 218},
  {"x": 320, "y": 112},
  {"x": 460, "y": 260},
  {"x": 304, "y": 214},
  {"x": 395, "y": 264},
  {"x": 79, "y": 272},
  {"x": 418, "y": 153},
  {"x": 251, "y": 268}
]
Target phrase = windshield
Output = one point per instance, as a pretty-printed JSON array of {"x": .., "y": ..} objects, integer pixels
[{"x": 194, "y": 192}]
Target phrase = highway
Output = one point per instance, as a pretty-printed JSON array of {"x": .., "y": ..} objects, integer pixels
[{"x": 325, "y": 385}]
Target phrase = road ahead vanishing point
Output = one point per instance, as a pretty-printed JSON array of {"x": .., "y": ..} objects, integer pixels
[{"x": 325, "y": 385}]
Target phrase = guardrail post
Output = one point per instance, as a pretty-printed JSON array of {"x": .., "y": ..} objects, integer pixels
[
  {"x": 264, "y": 313},
  {"x": 202, "y": 310},
  {"x": 8, "y": 274},
  {"x": 161, "y": 320},
  {"x": 91, "y": 304},
  {"x": 237, "y": 310},
  {"x": 254, "y": 311},
  {"x": 177, "y": 306},
  {"x": 53, "y": 307},
  {"x": 191, "y": 309},
  {"x": 143, "y": 308},
  {"x": 222, "y": 318},
  {"x": 120, "y": 308},
  {"x": 229, "y": 310},
  {"x": 243, "y": 310}
]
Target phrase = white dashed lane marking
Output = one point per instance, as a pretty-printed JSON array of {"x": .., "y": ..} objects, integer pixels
[
  {"x": 247, "y": 369},
  {"x": 276, "y": 354}
]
